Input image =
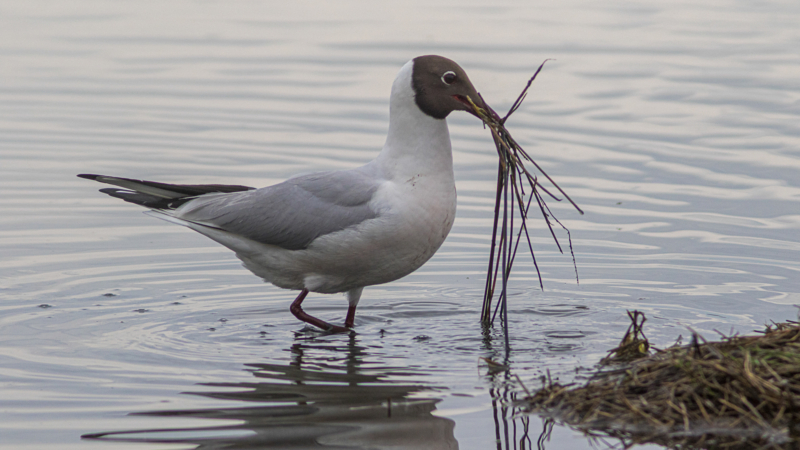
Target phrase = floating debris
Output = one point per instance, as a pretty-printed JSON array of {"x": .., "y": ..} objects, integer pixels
[
  {"x": 740, "y": 393},
  {"x": 494, "y": 366}
]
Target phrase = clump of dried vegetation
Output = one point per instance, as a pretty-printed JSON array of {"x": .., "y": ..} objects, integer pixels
[
  {"x": 740, "y": 393},
  {"x": 517, "y": 187}
]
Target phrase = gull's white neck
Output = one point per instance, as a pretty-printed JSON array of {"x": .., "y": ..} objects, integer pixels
[{"x": 417, "y": 144}]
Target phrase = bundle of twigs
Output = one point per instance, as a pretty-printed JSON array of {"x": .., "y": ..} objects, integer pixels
[
  {"x": 743, "y": 392},
  {"x": 634, "y": 344},
  {"x": 512, "y": 178}
]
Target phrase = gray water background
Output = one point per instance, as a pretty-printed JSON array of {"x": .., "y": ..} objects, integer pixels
[{"x": 675, "y": 126}]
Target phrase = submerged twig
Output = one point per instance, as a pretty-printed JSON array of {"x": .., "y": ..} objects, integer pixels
[{"x": 513, "y": 175}]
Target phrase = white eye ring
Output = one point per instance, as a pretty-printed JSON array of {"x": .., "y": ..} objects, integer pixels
[{"x": 449, "y": 75}]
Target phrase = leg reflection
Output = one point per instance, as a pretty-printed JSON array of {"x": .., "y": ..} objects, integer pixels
[{"x": 323, "y": 397}]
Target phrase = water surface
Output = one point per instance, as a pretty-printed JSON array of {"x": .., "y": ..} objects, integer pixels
[{"x": 674, "y": 127}]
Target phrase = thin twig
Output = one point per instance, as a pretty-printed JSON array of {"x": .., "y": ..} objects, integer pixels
[{"x": 512, "y": 176}]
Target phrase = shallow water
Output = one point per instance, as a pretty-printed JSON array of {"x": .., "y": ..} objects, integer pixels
[{"x": 674, "y": 127}]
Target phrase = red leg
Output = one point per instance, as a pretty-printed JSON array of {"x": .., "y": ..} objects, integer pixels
[
  {"x": 298, "y": 312},
  {"x": 351, "y": 316}
]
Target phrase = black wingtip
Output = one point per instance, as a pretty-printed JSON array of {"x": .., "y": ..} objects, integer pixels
[{"x": 89, "y": 176}]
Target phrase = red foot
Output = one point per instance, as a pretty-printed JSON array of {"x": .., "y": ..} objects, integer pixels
[{"x": 298, "y": 312}]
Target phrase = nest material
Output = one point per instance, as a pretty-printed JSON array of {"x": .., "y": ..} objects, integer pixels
[
  {"x": 740, "y": 393},
  {"x": 517, "y": 187},
  {"x": 634, "y": 344}
]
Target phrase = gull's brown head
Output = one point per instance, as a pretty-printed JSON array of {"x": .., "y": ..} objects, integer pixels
[{"x": 441, "y": 86}]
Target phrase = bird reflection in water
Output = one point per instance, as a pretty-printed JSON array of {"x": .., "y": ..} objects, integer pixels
[{"x": 323, "y": 398}]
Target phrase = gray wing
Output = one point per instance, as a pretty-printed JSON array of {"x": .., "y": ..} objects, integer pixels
[{"x": 290, "y": 214}]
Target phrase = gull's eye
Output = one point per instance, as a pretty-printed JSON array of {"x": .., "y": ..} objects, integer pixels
[{"x": 449, "y": 77}]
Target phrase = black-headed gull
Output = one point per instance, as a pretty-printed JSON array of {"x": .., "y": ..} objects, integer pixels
[{"x": 338, "y": 231}]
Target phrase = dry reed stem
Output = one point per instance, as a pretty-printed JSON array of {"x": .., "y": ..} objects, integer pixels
[{"x": 512, "y": 179}]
